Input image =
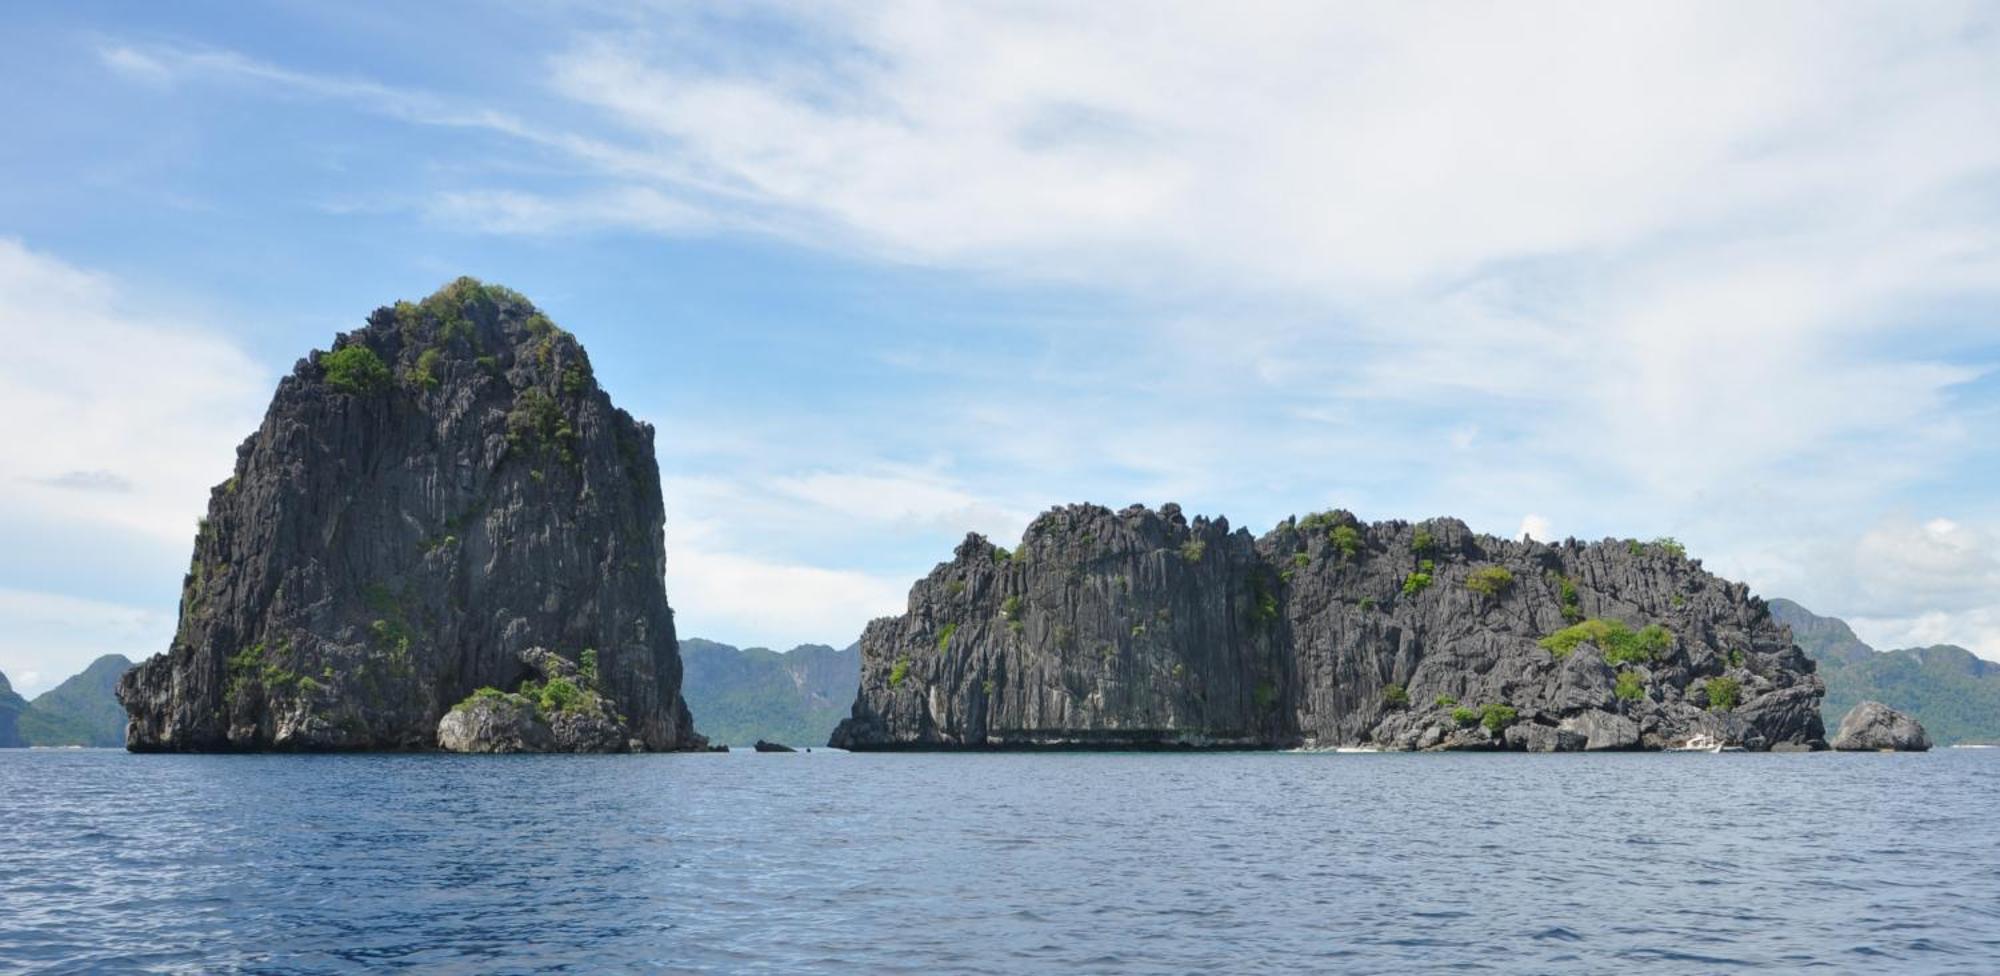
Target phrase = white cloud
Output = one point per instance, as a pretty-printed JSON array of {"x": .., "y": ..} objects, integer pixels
[
  {"x": 115, "y": 417},
  {"x": 46, "y": 637},
  {"x": 1657, "y": 269},
  {"x": 732, "y": 597}
]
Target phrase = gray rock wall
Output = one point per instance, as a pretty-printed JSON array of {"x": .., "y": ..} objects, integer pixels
[
  {"x": 391, "y": 541},
  {"x": 1142, "y": 629}
]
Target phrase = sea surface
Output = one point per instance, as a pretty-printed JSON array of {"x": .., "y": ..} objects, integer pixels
[{"x": 1008, "y": 863}]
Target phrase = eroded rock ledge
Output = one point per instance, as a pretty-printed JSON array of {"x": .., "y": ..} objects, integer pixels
[{"x": 1141, "y": 629}]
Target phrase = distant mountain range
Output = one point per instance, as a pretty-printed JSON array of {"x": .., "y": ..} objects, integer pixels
[
  {"x": 740, "y": 695},
  {"x": 82, "y": 711},
  {"x": 1953, "y": 692}
]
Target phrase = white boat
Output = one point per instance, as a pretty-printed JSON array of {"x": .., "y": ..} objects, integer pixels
[{"x": 1704, "y": 743}]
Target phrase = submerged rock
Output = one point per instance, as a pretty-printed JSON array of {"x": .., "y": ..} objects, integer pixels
[
  {"x": 764, "y": 746},
  {"x": 446, "y": 488},
  {"x": 1141, "y": 628},
  {"x": 1872, "y": 726}
]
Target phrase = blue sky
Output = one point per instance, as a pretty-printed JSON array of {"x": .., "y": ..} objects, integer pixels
[{"x": 885, "y": 273}]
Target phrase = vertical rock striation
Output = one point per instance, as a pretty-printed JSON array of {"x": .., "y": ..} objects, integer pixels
[
  {"x": 442, "y": 491},
  {"x": 1139, "y": 629}
]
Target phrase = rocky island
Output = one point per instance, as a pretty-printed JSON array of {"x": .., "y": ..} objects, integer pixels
[
  {"x": 1142, "y": 629},
  {"x": 443, "y": 509}
]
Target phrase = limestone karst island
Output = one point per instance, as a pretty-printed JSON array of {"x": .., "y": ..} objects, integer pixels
[
  {"x": 973, "y": 488},
  {"x": 445, "y": 536}
]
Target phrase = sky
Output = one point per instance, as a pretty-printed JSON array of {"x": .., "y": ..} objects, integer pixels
[{"x": 886, "y": 273}]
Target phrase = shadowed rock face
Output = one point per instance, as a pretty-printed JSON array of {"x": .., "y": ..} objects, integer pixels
[
  {"x": 445, "y": 489},
  {"x": 1139, "y": 629}
]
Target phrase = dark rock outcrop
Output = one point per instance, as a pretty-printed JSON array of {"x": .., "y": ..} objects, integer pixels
[
  {"x": 766, "y": 746},
  {"x": 11, "y": 707},
  {"x": 82, "y": 711},
  {"x": 445, "y": 489},
  {"x": 1875, "y": 727},
  {"x": 1141, "y": 629}
]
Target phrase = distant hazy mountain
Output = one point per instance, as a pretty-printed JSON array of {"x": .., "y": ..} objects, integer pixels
[
  {"x": 82, "y": 711},
  {"x": 11, "y": 707},
  {"x": 1953, "y": 692},
  {"x": 741, "y": 695}
]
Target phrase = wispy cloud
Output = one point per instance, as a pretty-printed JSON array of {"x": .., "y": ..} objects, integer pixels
[{"x": 1659, "y": 269}]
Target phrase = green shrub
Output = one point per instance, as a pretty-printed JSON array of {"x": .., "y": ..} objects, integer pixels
[
  {"x": 1193, "y": 550},
  {"x": 355, "y": 369},
  {"x": 1011, "y": 608},
  {"x": 1634, "y": 546},
  {"x": 1497, "y": 717},
  {"x": 1416, "y": 583},
  {"x": 537, "y": 421},
  {"x": 1001, "y": 555},
  {"x": 1367, "y": 603},
  {"x": 1723, "y": 693},
  {"x": 1567, "y": 597},
  {"x": 1629, "y": 687},
  {"x": 1423, "y": 543},
  {"x": 1395, "y": 696},
  {"x": 588, "y": 666},
  {"x": 1735, "y": 658},
  {"x": 1618, "y": 642},
  {"x": 560, "y": 695},
  {"x": 1446, "y": 701},
  {"x": 944, "y": 637},
  {"x": 1492, "y": 581},
  {"x": 900, "y": 671},
  {"x": 1301, "y": 560},
  {"x": 1464, "y": 716},
  {"x": 424, "y": 373},
  {"x": 1671, "y": 546},
  {"x": 1346, "y": 539}
]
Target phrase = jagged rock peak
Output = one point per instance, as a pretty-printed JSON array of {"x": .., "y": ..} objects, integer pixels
[
  {"x": 1143, "y": 628},
  {"x": 440, "y": 491}
]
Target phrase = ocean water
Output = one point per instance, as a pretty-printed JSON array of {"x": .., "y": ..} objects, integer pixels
[{"x": 1007, "y": 863}]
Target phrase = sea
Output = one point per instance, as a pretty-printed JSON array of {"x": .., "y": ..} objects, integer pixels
[{"x": 1000, "y": 863}]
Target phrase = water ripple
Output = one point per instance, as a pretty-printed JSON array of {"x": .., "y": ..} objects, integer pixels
[{"x": 1136, "y": 864}]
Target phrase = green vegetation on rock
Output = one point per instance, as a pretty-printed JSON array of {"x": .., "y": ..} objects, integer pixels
[
  {"x": 1490, "y": 582},
  {"x": 355, "y": 369},
  {"x": 1618, "y": 642},
  {"x": 1629, "y": 687},
  {"x": 1496, "y": 718}
]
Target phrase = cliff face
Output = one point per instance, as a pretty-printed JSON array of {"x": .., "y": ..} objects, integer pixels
[
  {"x": 11, "y": 707},
  {"x": 445, "y": 489},
  {"x": 1141, "y": 629}
]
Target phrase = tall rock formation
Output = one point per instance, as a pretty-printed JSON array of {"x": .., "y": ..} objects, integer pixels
[
  {"x": 1139, "y": 629},
  {"x": 442, "y": 491}
]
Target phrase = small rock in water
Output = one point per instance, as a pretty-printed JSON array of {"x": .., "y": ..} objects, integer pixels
[
  {"x": 1873, "y": 726},
  {"x": 766, "y": 746}
]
